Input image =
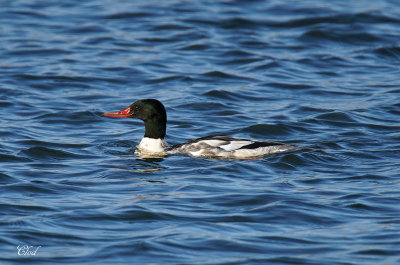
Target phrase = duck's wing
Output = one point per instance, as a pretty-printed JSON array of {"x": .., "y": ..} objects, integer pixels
[{"x": 226, "y": 143}]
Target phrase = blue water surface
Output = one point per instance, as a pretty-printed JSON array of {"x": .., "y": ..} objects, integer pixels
[{"x": 322, "y": 75}]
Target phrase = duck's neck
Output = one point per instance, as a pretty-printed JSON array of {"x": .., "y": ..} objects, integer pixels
[
  {"x": 153, "y": 140},
  {"x": 155, "y": 128}
]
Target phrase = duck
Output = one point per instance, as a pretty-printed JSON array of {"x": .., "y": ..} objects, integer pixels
[{"x": 152, "y": 113}]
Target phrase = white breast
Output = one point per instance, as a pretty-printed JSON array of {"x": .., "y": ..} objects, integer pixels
[{"x": 152, "y": 145}]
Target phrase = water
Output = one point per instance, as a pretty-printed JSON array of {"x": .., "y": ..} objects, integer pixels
[{"x": 320, "y": 75}]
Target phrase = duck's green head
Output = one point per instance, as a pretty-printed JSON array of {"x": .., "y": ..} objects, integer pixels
[{"x": 151, "y": 111}]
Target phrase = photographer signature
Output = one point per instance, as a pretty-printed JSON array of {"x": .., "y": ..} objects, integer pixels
[{"x": 26, "y": 250}]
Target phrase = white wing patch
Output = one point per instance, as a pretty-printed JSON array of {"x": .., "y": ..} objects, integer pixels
[
  {"x": 213, "y": 142},
  {"x": 225, "y": 145},
  {"x": 234, "y": 145}
]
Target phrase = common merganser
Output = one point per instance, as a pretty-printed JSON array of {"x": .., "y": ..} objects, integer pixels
[{"x": 153, "y": 113}]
